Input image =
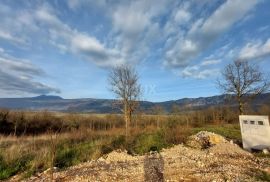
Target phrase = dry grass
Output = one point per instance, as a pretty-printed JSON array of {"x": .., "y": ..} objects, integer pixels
[{"x": 83, "y": 137}]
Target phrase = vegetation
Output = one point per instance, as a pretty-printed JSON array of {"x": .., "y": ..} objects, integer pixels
[
  {"x": 124, "y": 84},
  {"x": 243, "y": 80},
  {"x": 27, "y": 139},
  {"x": 231, "y": 131}
]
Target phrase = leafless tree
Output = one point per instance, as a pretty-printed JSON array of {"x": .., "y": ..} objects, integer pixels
[
  {"x": 124, "y": 84},
  {"x": 243, "y": 80}
]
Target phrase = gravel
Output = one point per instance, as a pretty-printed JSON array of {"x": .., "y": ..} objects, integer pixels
[{"x": 223, "y": 161}]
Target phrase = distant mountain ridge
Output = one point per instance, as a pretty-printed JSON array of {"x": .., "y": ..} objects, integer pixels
[
  {"x": 56, "y": 103},
  {"x": 47, "y": 97}
]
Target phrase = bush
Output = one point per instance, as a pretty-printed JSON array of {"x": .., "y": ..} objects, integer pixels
[
  {"x": 9, "y": 169},
  {"x": 176, "y": 135},
  {"x": 119, "y": 142},
  {"x": 65, "y": 157},
  {"x": 149, "y": 142},
  {"x": 105, "y": 149}
]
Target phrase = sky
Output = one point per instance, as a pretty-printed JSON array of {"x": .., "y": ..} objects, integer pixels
[{"x": 178, "y": 48}]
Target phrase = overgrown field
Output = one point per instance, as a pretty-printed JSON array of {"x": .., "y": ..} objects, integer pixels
[{"x": 33, "y": 142}]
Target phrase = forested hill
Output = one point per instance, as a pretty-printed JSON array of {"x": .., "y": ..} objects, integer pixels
[{"x": 56, "y": 103}]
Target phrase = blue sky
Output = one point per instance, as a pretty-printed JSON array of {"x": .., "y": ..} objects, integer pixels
[{"x": 179, "y": 48}]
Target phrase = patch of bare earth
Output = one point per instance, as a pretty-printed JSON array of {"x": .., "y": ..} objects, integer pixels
[{"x": 220, "y": 162}]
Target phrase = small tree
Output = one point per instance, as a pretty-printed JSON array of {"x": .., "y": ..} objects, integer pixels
[
  {"x": 243, "y": 80},
  {"x": 124, "y": 84}
]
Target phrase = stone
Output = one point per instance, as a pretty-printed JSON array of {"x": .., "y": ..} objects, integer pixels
[{"x": 266, "y": 151}]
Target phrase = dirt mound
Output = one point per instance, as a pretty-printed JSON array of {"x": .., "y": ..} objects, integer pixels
[
  {"x": 204, "y": 139},
  {"x": 222, "y": 161},
  {"x": 118, "y": 156}
]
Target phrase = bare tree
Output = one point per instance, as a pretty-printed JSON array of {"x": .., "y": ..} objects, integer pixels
[
  {"x": 243, "y": 80},
  {"x": 124, "y": 84}
]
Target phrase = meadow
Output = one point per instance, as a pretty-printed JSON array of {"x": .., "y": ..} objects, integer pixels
[{"x": 31, "y": 142}]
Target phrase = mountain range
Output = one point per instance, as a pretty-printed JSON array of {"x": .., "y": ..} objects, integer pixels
[{"x": 90, "y": 105}]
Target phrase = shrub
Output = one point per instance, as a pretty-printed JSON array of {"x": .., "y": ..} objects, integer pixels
[
  {"x": 105, "y": 149},
  {"x": 65, "y": 157},
  {"x": 148, "y": 142},
  {"x": 119, "y": 142},
  {"x": 9, "y": 169},
  {"x": 177, "y": 134}
]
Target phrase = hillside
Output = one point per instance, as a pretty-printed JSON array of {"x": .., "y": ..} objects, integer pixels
[{"x": 56, "y": 103}]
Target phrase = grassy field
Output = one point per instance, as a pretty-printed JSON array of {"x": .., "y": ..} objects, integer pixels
[
  {"x": 31, "y": 142},
  {"x": 230, "y": 131},
  {"x": 27, "y": 155}
]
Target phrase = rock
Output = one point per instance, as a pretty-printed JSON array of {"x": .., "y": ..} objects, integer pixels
[
  {"x": 101, "y": 159},
  {"x": 265, "y": 151},
  {"x": 267, "y": 170},
  {"x": 55, "y": 169}
]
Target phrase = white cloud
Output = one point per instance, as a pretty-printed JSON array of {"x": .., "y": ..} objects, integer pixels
[
  {"x": 9, "y": 37},
  {"x": 14, "y": 84},
  {"x": 134, "y": 21},
  {"x": 76, "y": 4},
  {"x": 204, "y": 31},
  {"x": 85, "y": 43},
  {"x": 136, "y": 27},
  {"x": 17, "y": 76},
  {"x": 229, "y": 13},
  {"x": 94, "y": 51},
  {"x": 70, "y": 40},
  {"x": 196, "y": 72},
  {"x": 255, "y": 50},
  {"x": 182, "y": 16},
  {"x": 19, "y": 66},
  {"x": 200, "y": 71},
  {"x": 210, "y": 62},
  {"x": 263, "y": 28}
]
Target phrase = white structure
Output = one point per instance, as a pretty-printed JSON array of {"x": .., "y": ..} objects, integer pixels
[{"x": 255, "y": 132}]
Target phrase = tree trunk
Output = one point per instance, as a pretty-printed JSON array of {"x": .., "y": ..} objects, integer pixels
[
  {"x": 240, "y": 106},
  {"x": 15, "y": 129},
  {"x": 126, "y": 113}
]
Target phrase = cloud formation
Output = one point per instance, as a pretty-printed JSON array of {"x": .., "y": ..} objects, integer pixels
[
  {"x": 79, "y": 43},
  {"x": 198, "y": 73},
  {"x": 179, "y": 31},
  {"x": 255, "y": 50},
  {"x": 17, "y": 76},
  {"x": 204, "y": 31},
  {"x": 202, "y": 70}
]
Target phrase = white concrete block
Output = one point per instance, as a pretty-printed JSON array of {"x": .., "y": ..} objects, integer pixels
[{"x": 255, "y": 132}]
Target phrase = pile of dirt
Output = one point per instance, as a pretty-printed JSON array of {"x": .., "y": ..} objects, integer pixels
[
  {"x": 221, "y": 161},
  {"x": 118, "y": 156},
  {"x": 205, "y": 139}
]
